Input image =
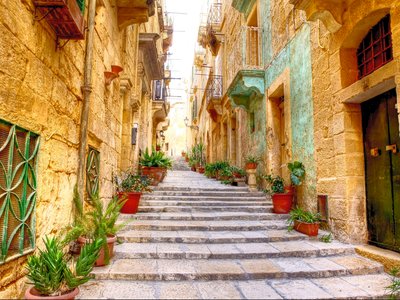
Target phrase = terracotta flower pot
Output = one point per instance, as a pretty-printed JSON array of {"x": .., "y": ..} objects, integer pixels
[
  {"x": 132, "y": 202},
  {"x": 289, "y": 189},
  {"x": 193, "y": 168},
  {"x": 154, "y": 173},
  {"x": 33, "y": 293},
  {"x": 110, "y": 244},
  {"x": 282, "y": 203},
  {"x": 237, "y": 175},
  {"x": 201, "y": 170},
  {"x": 311, "y": 229},
  {"x": 251, "y": 166},
  {"x": 187, "y": 159},
  {"x": 164, "y": 173}
]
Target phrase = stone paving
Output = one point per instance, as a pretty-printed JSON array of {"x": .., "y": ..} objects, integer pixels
[{"x": 195, "y": 238}]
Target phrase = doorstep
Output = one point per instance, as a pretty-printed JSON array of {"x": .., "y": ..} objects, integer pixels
[{"x": 389, "y": 259}]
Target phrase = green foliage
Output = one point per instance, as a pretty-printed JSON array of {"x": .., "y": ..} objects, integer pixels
[
  {"x": 252, "y": 159},
  {"x": 297, "y": 214},
  {"x": 131, "y": 182},
  {"x": 238, "y": 171},
  {"x": 394, "y": 287},
  {"x": 155, "y": 159},
  {"x": 297, "y": 172},
  {"x": 53, "y": 271},
  {"x": 212, "y": 169},
  {"x": 275, "y": 184},
  {"x": 326, "y": 238},
  {"x": 197, "y": 156}
]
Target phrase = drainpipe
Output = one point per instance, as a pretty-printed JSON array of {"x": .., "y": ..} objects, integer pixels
[{"x": 87, "y": 91}]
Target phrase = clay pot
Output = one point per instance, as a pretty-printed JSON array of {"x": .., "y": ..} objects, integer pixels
[
  {"x": 110, "y": 244},
  {"x": 282, "y": 203},
  {"x": 289, "y": 189},
  {"x": 33, "y": 293},
  {"x": 132, "y": 202},
  {"x": 251, "y": 166},
  {"x": 201, "y": 170},
  {"x": 187, "y": 159},
  {"x": 154, "y": 173},
  {"x": 237, "y": 175},
  {"x": 311, "y": 229},
  {"x": 164, "y": 173},
  {"x": 193, "y": 168}
]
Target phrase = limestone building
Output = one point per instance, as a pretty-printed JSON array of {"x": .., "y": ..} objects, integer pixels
[
  {"x": 79, "y": 100},
  {"x": 314, "y": 81}
]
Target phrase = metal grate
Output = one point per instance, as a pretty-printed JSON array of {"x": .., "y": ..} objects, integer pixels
[
  {"x": 214, "y": 88},
  {"x": 18, "y": 173},
  {"x": 376, "y": 48},
  {"x": 92, "y": 173}
]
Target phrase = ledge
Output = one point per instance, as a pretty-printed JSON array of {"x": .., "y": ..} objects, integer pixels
[
  {"x": 389, "y": 259},
  {"x": 134, "y": 11},
  {"x": 243, "y": 6},
  {"x": 247, "y": 86},
  {"x": 148, "y": 46}
]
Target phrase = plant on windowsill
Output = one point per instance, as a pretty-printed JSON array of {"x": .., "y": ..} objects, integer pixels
[
  {"x": 155, "y": 165},
  {"x": 282, "y": 202},
  {"x": 297, "y": 173},
  {"x": 304, "y": 221},
  {"x": 252, "y": 162},
  {"x": 130, "y": 186},
  {"x": 55, "y": 274},
  {"x": 98, "y": 223}
]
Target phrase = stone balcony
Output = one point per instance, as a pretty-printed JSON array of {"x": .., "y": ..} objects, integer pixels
[
  {"x": 148, "y": 47},
  {"x": 134, "y": 11},
  {"x": 245, "y": 77},
  {"x": 244, "y": 6}
]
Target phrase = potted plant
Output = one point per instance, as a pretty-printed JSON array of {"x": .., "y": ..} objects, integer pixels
[
  {"x": 98, "y": 223},
  {"x": 282, "y": 202},
  {"x": 304, "y": 221},
  {"x": 198, "y": 154},
  {"x": 154, "y": 165},
  {"x": 55, "y": 274},
  {"x": 238, "y": 172},
  {"x": 226, "y": 175},
  {"x": 297, "y": 173},
  {"x": 130, "y": 186},
  {"x": 219, "y": 166},
  {"x": 210, "y": 171},
  {"x": 252, "y": 162}
]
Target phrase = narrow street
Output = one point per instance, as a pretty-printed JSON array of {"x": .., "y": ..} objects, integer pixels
[{"x": 197, "y": 238}]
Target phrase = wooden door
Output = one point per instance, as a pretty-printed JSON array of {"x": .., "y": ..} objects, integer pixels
[{"x": 382, "y": 167}]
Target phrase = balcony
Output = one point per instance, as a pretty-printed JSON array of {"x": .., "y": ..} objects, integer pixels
[
  {"x": 148, "y": 48},
  {"x": 160, "y": 106},
  {"x": 214, "y": 92},
  {"x": 134, "y": 11},
  {"x": 167, "y": 34},
  {"x": 210, "y": 34},
  {"x": 65, "y": 17},
  {"x": 243, "y": 6},
  {"x": 328, "y": 11},
  {"x": 245, "y": 77}
]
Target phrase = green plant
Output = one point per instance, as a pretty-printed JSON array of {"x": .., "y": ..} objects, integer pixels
[
  {"x": 298, "y": 214},
  {"x": 155, "y": 159},
  {"x": 252, "y": 159},
  {"x": 210, "y": 170},
  {"x": 275, "y": 184},
  {"x": 326, "y": 238},
  {"x": 394, "y": 287},
  {"x": 54, "y": 272},
  {"x": 238, "y": 171},
  {"x": 297, "y": 172},
  {"x": 130, "y": 182}
]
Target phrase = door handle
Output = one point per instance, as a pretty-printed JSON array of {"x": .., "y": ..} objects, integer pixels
[{"x": 392, "y": 148}]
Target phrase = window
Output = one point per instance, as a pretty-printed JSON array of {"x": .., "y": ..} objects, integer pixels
[
  {"x": 376, "y": 48},
  {"x": 18, "y": 174},
  {"x": 252, "y": 122},
  {"x": 92, "y": 172}
]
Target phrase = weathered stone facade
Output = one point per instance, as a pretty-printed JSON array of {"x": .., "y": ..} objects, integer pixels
[{"x": 41, "y": 91}]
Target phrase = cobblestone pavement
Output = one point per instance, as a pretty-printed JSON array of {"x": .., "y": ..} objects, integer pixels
[{"x": 195, "y": 238}]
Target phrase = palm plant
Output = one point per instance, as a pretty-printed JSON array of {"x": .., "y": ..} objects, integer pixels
[
  {"x": 54, "y": 272},
  {"x": 155, "y": 159}
]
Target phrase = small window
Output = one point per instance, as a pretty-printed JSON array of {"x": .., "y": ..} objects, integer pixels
[
  {"x": 18, "y": 184},
  {"x": 92, "y": 173},
  {"x": 376, "y": 48}
]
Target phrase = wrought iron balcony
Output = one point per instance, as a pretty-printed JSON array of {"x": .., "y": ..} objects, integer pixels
[
  {"x": 215, "y": 16},
  {"x": 214, "y": 93}
]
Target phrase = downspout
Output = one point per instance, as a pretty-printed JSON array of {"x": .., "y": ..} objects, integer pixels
[{"x": 87, "y": 91}]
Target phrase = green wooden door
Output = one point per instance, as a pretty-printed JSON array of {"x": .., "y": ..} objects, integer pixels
[{"x": 382, "y": 169}]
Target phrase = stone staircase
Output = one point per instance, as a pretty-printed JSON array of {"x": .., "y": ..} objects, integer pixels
[{"x": 196, "y": 238}]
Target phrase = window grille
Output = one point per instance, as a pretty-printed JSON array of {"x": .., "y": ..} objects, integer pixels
[
  {"x": 18, "y": 183},
  {"x": 92, "y": 173},
  {"x": 376, "y": 48}
]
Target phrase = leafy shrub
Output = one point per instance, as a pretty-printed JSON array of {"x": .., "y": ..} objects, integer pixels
[
  {"x": 298, "y": 214},
  {"x": 297, "y": 172},
  {"x": 275, "y": 184},
  {"x": 155, "y": 159},
  {"x": 130, "y": 182}
]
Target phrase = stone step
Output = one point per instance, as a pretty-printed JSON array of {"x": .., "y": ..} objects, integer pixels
[
  {"x": 342, "y": 287},
  {"x": 195, "y": 203},
  {"x": 235, "y": 250},
  {"x": 209, "y": 237},
  {"x": 234, "y": 194},
  {"x": 210, "y": 216},
  {"x": 202, "y": 198},
  {"x": 239, "y": 269},
  {"x": 181, "y": 208},
  {"x": 185, "y": 187},
  {"x": 168, "y": 225}
]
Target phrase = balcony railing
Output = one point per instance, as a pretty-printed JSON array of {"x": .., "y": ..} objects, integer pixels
[
  {"x": 214, "y": 88},
  {"x": 246, "y": 52},
  {"x": 215, "y": 15}
]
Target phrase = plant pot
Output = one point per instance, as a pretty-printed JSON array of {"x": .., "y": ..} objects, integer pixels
[
  {"x": 201, "y": 170},
  {"x": 158, "y": 148},
  {"x": 289, "y": 189},
  {"x": 237, "y": 175},
  {"x": 164, "y": 173},
  {"x": 187, "y": 159},
  {"x": 193, "y": 168},
  {"x": 251, "y": 166},
  {"x": 154, "y": 173},
  {"x": 311, "y": 229},
  {"x": 132, "y": 203},
  {"x": 33, "y": 293},
  {"x": 282, "y": 203},
  {"x": 183, "y": 154},
  {"x": 110, "y": 244}
]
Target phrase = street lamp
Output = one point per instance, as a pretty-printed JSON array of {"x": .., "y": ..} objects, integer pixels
[{"x": 186, "y": 120}]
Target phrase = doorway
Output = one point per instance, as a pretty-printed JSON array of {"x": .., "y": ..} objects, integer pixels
[{"x": 382, "y": 169}]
